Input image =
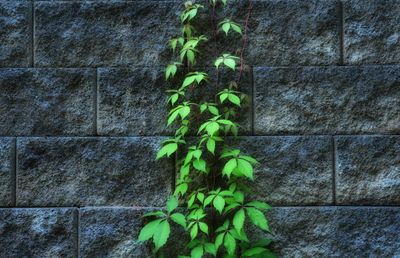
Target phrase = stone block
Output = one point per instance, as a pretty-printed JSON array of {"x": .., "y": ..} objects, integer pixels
[
  {"x": 39, "y": 232},
  {"x": 92, "y": 172},
  {"x": 113, "y": 232},
  {"x": 15, "y": 33},
  {"x": 293, "y": 170},
  {"x": 288, "y": 32},
  {"x": 368, "y": 170},
  {"x": 104, "y": 33},
  {"x": 37, "y": 102},
  {"x": 336, "y": 231},
  {"x": 371, "y": 32},
  {"x": 134, "y": 101},
  {"x": 327, "y": 100},
  {"x": 6, "y": 171}
]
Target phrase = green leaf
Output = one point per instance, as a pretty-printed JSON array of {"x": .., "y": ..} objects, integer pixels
[
  {"x": 250, "y": 159},
  {"x": 172, "y": 203},
  {"x": 213, "y": 110},
  {"x": 212, "y": 128},
  {"x": 167, "y": 150},
  {"x": 203, "y": 227},
  {"x": 161, "y": 234},
  {"x": 230, "y": 63},
  {"x": 200, "y": 165},
  {"x": 184, "y": 111},
  {"x": 254, "y": 251},
  {"x": 218, "y": 62},
  {"x": 197, "y": 252},
  {"x": 219, "y": 240},
  {"x": 148, "y": 230},
  {"x": 188, "y": 80},
  {"x": 238, "y": 220},
  {"x": 219, "y": 203},
  {"x": 229, "y": 167},
  {"x": 211, "y": 145},
  {"x": 230, "y": 244},
  {"x": 194, "y": 231},
  {"x": 181, "y": 189},
  {"x": 259, "y": 205},
  {"x": 225, "y": 27},
  {"x": 245, "y": 168},
  {"x": 203, "y": 107},
  {"x": 172, "y": 117},
  {"x": 223, "y": 97},
  {"x": 234, "y": 99},
  {"x": 170, "y": 71},
  {"x": 236, "y": 28},
  {"x": 179, "y": 219},
  {"x": 258, "y": 218},
  {"x": 210, "y": 248}
]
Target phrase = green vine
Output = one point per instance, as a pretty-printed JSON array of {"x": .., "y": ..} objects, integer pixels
[{"x": 211, "y": 182}]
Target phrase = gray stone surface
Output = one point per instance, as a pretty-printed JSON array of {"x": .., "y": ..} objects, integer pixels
[
  {"x": 134, "y": 101},
  {"x": 336, "y": 231},
  {"x": 15, "y": 33},
  {"x": 113, "y": 232},
  {"x": 368, "y": 170},
  {"x": 47, "y": 102},
  {"x": 6, "y": 153},
  {"x": 293, "y": 170},
  {"x": 38, "y": 233},
  {"x": 108, "y": 33},
  {"x": 372, "y": 31},
  {"x": 289, "y": 32},
  {"x": 327, "y": 100},
  {"x": 91, "y": 172}
]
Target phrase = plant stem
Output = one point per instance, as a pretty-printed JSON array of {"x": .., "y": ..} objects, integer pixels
[{"x": 245, "y": 39}]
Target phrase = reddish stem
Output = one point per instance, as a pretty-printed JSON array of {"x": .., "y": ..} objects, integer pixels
[{"x": 245, "y": 39}]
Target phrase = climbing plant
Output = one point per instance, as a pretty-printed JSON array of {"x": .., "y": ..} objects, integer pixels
[{"x": 211, "y": 184}]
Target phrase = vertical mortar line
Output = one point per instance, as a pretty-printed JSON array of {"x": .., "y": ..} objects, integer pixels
[
  {"x": 252, "y": 89},
  {"x": 341, "y": 33},
  {"x": 333, "y": 170},
  {"x": 78, "y": 231},
  {"x": 174, "y": 172},
  {"x": 32, "y": 61},
  {"x": 14, "y": 173},
  {"x": 96, "y": 102}
]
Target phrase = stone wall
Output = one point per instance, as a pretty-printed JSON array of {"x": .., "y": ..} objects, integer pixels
[{"x": 82, "y": 116}]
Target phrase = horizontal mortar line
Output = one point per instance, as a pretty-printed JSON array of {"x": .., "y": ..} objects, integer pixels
[
  {"x": 152, "y": 207},
  {"x": 200, "y": 67},
  {"x": 106, "y": 1},
  {"x": 194, "y": 136}
]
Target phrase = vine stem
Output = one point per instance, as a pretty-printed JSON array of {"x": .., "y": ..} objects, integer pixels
[{"x": 245, "y": 39}]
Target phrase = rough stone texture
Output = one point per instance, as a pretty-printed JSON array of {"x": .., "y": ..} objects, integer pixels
[
  {"x": 293, "y": 170},
  {"x": 134, "y": 102},
  {"x": 6, "y": 152},
  {"x": 290, "y": 32},
  {"x": 106, "y": 33},
  {"x": 38, "y": 233},
  {"x": 47, "y": 102},
  {"x": 15, "y": 33},
  {"x": 317, "y": 100},
  {"x": 336, "y": 231},
  {"x": 113, "y": 232},
  {"x": 91, "y": 171},
  {"x": 372, "y": 32},
  {"x": 368, "y": 170}
]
